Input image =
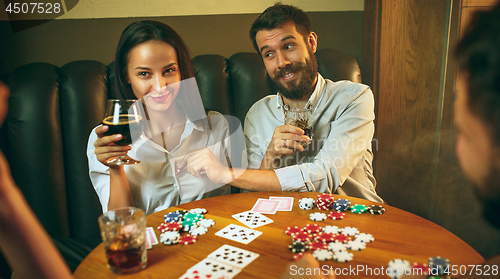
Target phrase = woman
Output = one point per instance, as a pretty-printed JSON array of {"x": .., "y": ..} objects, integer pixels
[{"x": 153, "y": 66}]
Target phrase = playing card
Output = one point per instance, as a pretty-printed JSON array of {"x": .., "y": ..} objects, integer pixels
[
  {"x": 266, "y": 206},
  {"x": 286, "y": 203},
  {"x": 238, "y": 233},
  {"x": 233, "y": 256},
  {"x": 210, "y": 268},
  {"x": 252, "y": 219},
  {"x": 150, "y": 238}
]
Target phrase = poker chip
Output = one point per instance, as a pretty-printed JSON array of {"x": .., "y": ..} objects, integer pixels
[
  {"x": 342, "y": 238},
  {"x": 356, "y": 245},
  {"x": 336, "y": 247},
  {"x": 336, "y": 215},
  {"x": 322, "y": 255},
  {"x": 420, "y": 268},
  {"x": 324, "y": 237},
  {"x": 397, "y": 268},
  {"x": 173, "y": 226},
  {"x": 198, "y": 210},
  {"x": 365, "y": 237},
  {"x": 302, "y": 237},
  {"x": 170, "y": 237},
  {"x": 359, "y": 208},
  {"x": 376, "y": 209},
  {"x": 331, "y": 229},
  {"x": 298, "y": 247},
  {"x": 172, "y": 217},
  {"x": 187, "y": 239},
  {"x": 306, "y": 203},
  {"x": 293, "y": 230},
  {"x": 198, "y": 231},
  {"x": 181, "y": 211},
  {"x": 350, "y": 231},
  {"x": 439, "y": 264},
  {"x": 316, "y": 245},
  {"x": 191, "y": 216},
  {"x": 312, "y": 228},
  {"x": 343, "y": 256},
  {"x": 317, "y": 216},
  {"x": 341, "y": 205},
  {"x": 207, "y": 223},
  {"x": 324, "y": 201},
  {"x": 297, "y": 256}
]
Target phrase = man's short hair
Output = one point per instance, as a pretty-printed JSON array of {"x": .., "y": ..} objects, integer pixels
[
  {"x": 478, "y": 55},
  {"x": 277, "y": 15}
]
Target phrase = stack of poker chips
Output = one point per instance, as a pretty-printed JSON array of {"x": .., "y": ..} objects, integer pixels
[
  {"x": 325, "y": 202},
  {"x": 307, "y": 203},
  {"x": 192, "y": 221},
  {"x": 342, "y": 205},
  {"x": 436, "y": 266}
]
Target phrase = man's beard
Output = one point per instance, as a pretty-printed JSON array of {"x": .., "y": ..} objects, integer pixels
[
  {"x": 309, "y": 72},
  {"x": 490, "y": 197}
]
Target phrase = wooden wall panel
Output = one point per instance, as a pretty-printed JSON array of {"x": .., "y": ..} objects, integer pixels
[{"x": 410, "y": 64}]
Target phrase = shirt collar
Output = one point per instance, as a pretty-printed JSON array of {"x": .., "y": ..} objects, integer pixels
[{"x": 313, "y": 100}]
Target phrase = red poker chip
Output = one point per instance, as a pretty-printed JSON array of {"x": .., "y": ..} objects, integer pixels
[
  {"x": 293, "y": 230},
  {"x": 313, "y": 228},
  {"x": 324, "y": 237},
  {"x": 187, "y": 239},
  {"x": 336, "y": 215},
  {"x": 302, "y": 237},
  {"x": 297, "y": 256},
  {"x": 173, "y": 226},
  {"x": 342, "y": 238},
  {"x": 421, "y": 267},
  {"x": 315, "y": 245}
]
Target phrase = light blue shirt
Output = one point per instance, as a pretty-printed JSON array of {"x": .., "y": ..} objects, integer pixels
[{"x": 339, "y": 157}]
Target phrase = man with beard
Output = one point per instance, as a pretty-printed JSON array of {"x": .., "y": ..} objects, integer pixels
[
  {"x": 338, "y": 158},
  {"x": 340, "y": 151}
]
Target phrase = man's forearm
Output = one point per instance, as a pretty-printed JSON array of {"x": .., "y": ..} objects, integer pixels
[{"x": 256, "y": 180}]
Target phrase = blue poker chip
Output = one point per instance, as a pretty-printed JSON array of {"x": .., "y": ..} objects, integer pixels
[
  {"x": 172, "y": 217},
  {"x": 341, "y": 205},
  {"x": 438, "y": 265}
]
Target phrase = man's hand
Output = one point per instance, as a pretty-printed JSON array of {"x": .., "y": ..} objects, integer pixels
[
  {"x": 203, "y": 162},
  {"x": 286, "y": 140}
]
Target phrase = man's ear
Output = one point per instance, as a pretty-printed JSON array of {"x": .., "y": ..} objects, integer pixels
[{"x": 312, "y": 40}]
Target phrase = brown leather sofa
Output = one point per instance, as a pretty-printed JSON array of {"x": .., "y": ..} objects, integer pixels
[{"x": 52, "y": 111}]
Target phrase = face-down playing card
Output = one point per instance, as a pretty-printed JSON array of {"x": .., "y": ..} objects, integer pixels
[
  {"x": 252, "y": 219},
  {"x": 238, "y": 233}
]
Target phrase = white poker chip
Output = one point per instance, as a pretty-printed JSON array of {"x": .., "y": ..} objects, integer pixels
[
  {"x": 365, "y": 237},
  {"x": 331, "y": 229},
  {"x": 350, "y": 231},
  {"x": 198, "y": 210},
  {"x": 336, "y": 247},
  {"x": 169, "y": 237},
  {"x": 343, "y": 256},
  {"x": 317, "y": 216},
  {"x": 199, "y": 231},
  {"x": 322, "y": 255},
  {"x": 189, "y": 228},
  {"x": 397, "y": 267},
  {"x": 356, "y": 245},
  {"x": 207, "y": 223}
]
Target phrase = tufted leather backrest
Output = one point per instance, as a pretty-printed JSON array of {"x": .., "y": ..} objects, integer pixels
[{"x": 53, "y": 110}]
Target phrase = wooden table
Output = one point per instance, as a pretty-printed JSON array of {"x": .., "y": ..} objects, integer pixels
[{"x": 398, "y": 234}]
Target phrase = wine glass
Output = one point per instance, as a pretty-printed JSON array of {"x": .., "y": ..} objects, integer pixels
[{"x": 123, "y": 117}]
